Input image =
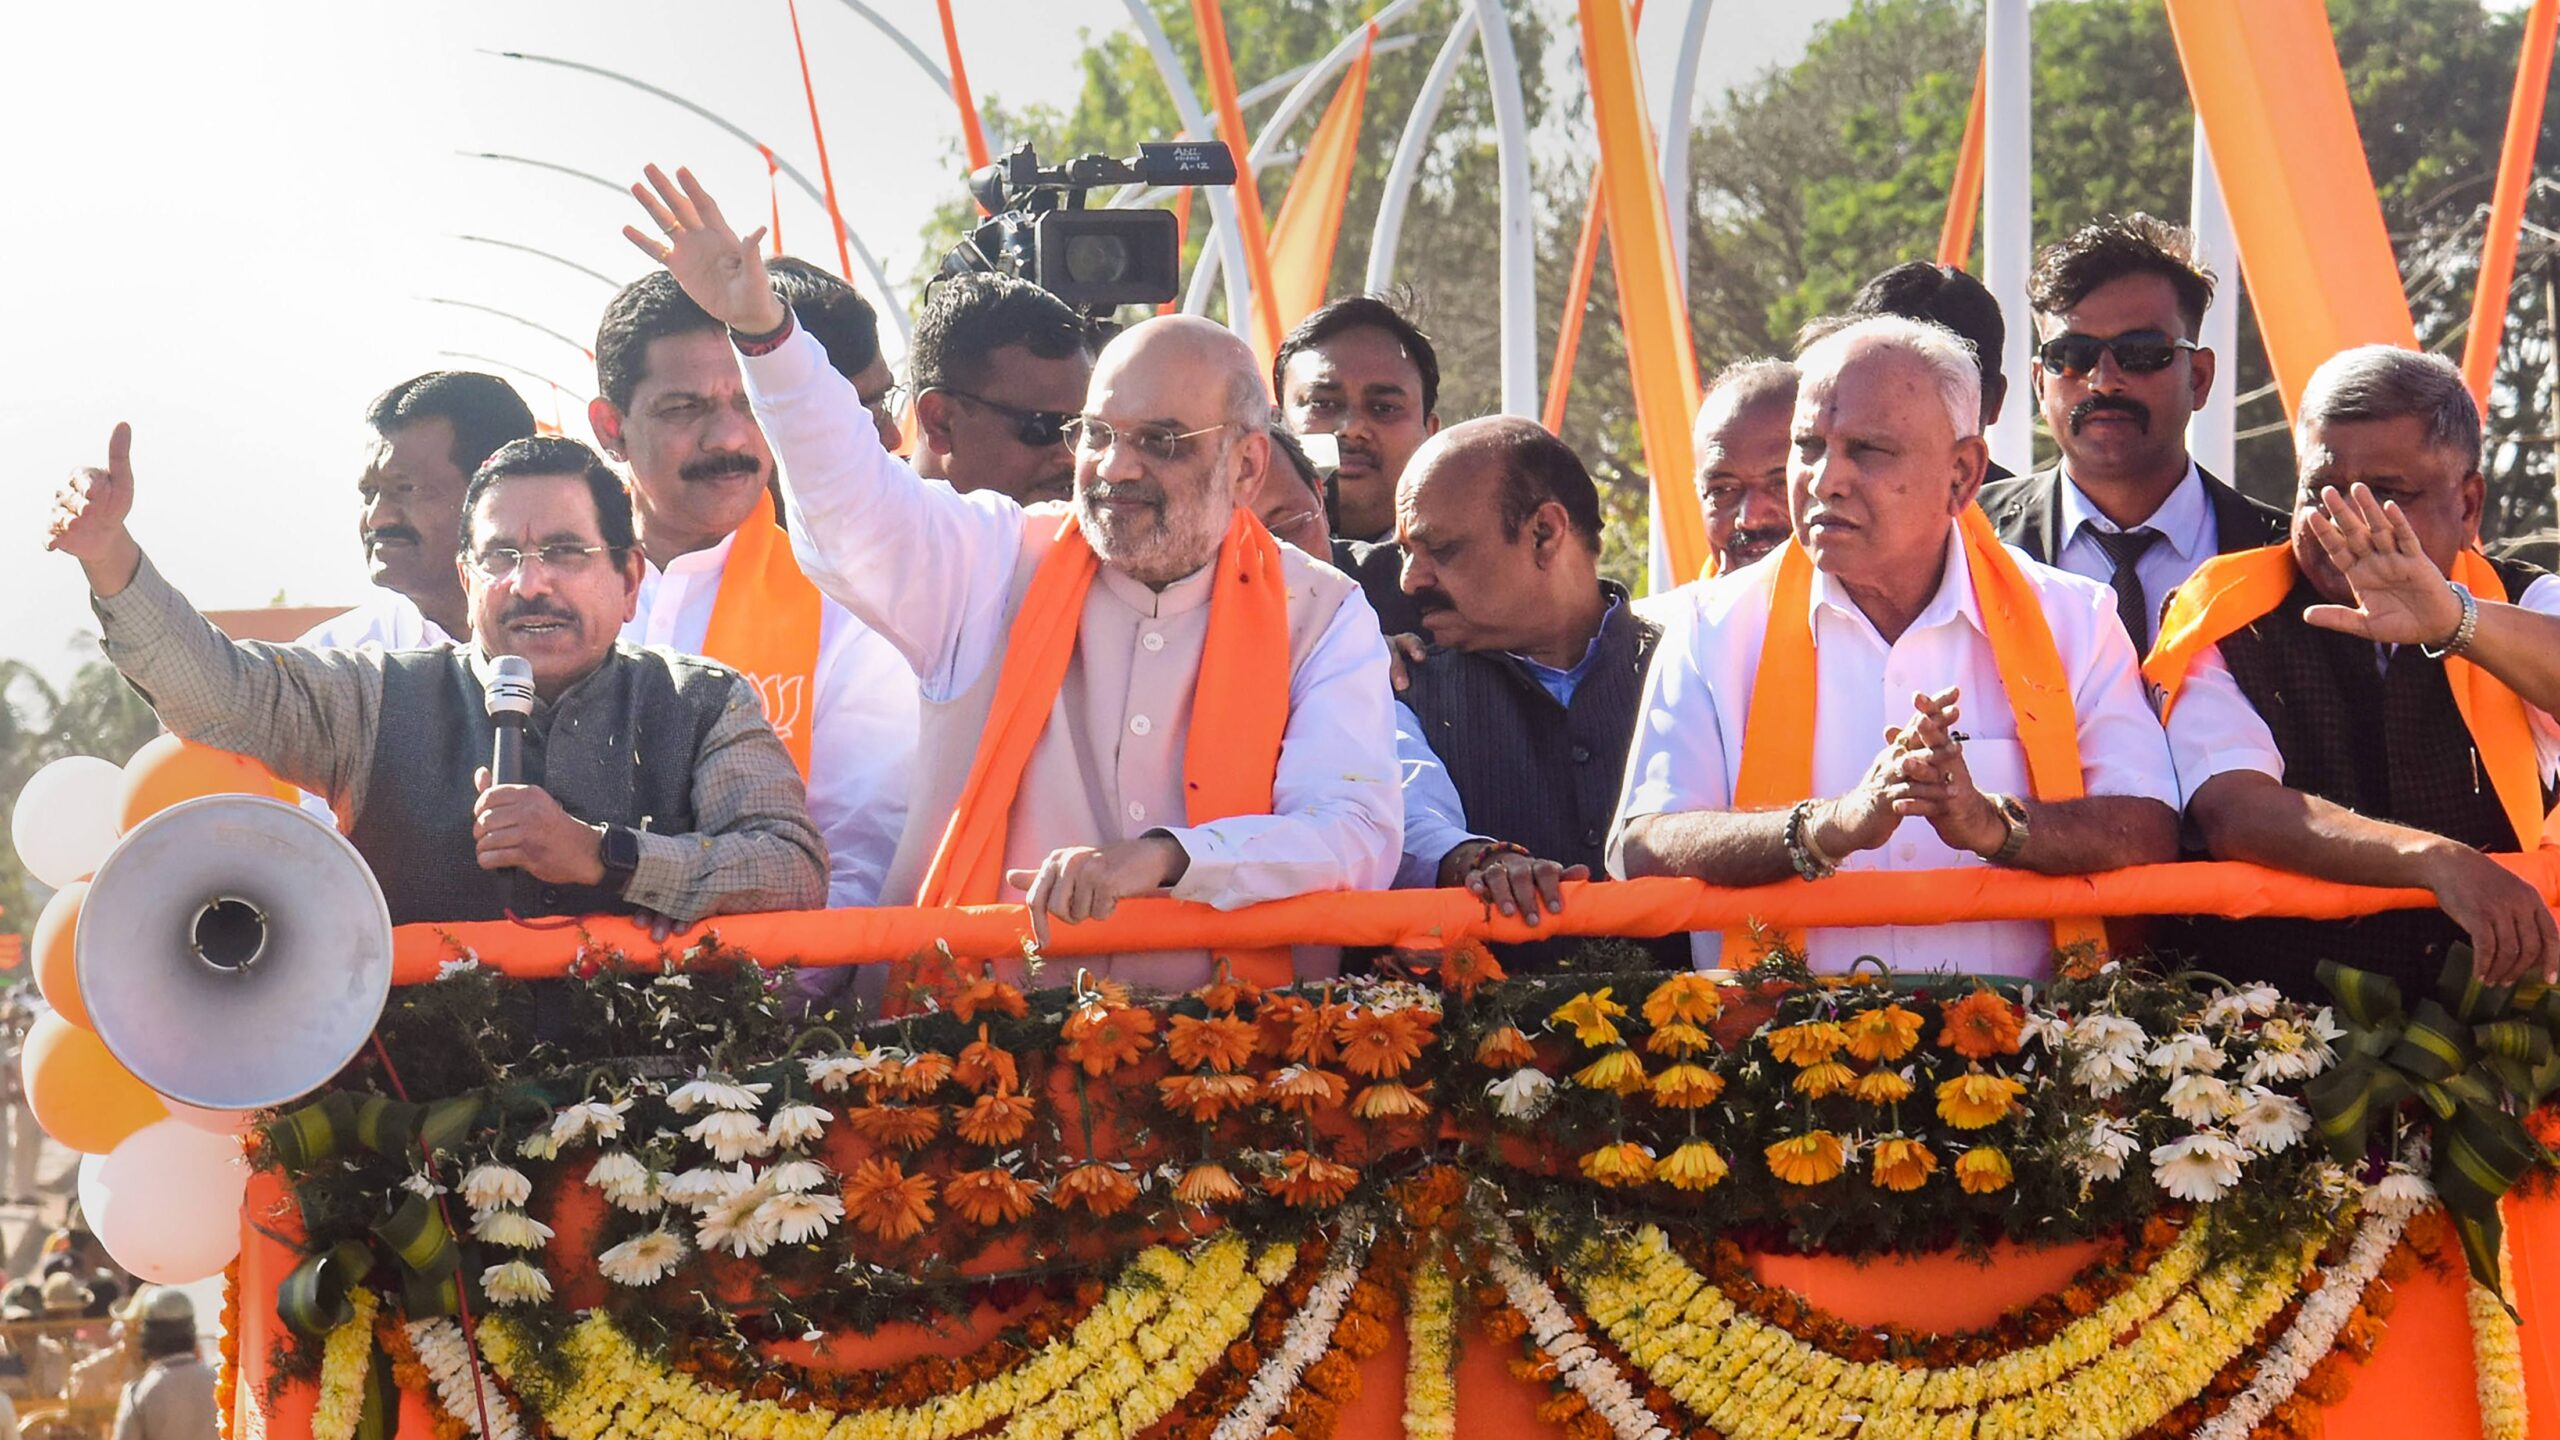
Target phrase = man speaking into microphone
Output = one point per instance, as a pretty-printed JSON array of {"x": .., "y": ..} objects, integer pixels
[{"x": 649, "y": 781}]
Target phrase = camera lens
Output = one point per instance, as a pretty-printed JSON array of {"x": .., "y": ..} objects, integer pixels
[{"x": 1097, "y": 259}]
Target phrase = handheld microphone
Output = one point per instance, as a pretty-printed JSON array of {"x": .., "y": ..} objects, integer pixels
[{"x": 510, "y": 700}]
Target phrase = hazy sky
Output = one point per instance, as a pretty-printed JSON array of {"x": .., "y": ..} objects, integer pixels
[{"x": 230, "y": 221}]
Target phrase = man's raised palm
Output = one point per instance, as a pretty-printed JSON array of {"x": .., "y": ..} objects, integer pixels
[{"x": 721, "y": 272}]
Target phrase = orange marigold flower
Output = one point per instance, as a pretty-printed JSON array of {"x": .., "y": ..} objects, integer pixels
[
  {"x": 1225, "y": 993},
  {"x": 1976, "y": 1099},
  {"x": 990, "y": 1196},
  {"x": 1208, "y": 1184},
  {"x": 1694, "y": 1166},
  {"x": 1277, "y": 1019},
  {"x": 1983, "y": 1170},
  {"x": 1467, "y": 968},
  {"x": 998, "y": 1119},
  {"x": 1504, "y": 1048},
  {"x": 1902, "y": 1163},
  {"x": 916, "y": 1077},
  {"x": 1828, "y": 1078},
  {"x": 1304, "y": 1090},
  {"x": 1688, "y": 998},
  {"x": 1678, "y": 1039},
  {"x": 908, "y": 1127},
  {"x": 1102, "y": 1038},
  {"x": 886, "y": 1201},
  {"x": 1590, "y": 1015},
  {"x": 1310, "y": 1181},
  {"x": 1807, "y": 1159},
  {"x": 988, "y": 995},
  {"x": 1381, "y": 1044},
  {"x": 1882, "y": 1087},
  {"x": 1619, "y": 1166},
  {"x": 1980, "y": 1026},
  {"x": 1389, "y": 1101},
  {"x": 1221, "y": 1042},
  {"x": 1100, "y": 1187},
  {"x": 1886, "y": 1033},
  {"x": 1686, "y": 1087},
  {"x": 1206, "y": 1097},
  {"x": 1619, "y": 1070},
  {"x": 1312, "y": 1038},
  {"x": 984, "y": 1065},
  {"x": 1808, "y": 1043}
]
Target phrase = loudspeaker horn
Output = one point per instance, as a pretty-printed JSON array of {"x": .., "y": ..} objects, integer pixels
[{"x": 234, "y": 952}]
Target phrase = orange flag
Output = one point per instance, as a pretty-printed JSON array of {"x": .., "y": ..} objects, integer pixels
[
  {"x": 970, "y": 129},
  {"x": 1302, "y": 239},
  {"x": 1964, "y": 193},
  {"x": 826, "y": 172},
  {"x": 2274, "y": 106},
  {"x": 1653, "y": 311},
  {"x": 2506, "y": 207},
  {"x": 1257, "y": 244},
  {"x": 1577, "y": 293}
]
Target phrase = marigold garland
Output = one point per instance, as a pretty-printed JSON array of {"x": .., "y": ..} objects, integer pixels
[
  {"x": 345, "y": 1356},
  {"x": 1430, "y": 1374}
]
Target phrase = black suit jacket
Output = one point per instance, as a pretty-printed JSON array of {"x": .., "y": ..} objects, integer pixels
[{"x": 2027, "y": 512}]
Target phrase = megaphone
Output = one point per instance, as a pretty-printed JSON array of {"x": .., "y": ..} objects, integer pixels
[{"x": 234, "y": 952}]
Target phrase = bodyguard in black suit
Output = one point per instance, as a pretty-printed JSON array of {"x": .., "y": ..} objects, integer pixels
[
  {"x": 1946, "y": 297},
  {"x": 2118, "y": 306}
]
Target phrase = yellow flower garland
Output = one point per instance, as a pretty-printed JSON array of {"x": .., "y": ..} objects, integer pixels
[
  {"x": 2497, "y": 1354},
  {"x": 1430, "y": 1378},
  {"x": 1164, "y": 1322},
  {"x": 344, "y": 1358}
]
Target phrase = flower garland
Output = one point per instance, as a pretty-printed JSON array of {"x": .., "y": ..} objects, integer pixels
[
  {"x": 226, "y": 1373},
  {"x": 1430, "y": 1375},
  {"x": 462, "y": 1387},
  {"x": 344, "y": 1358},
  {"x": 1557, "y": 1334},
  {"x": 2497, "y": 1353},
  {"x": 1302, "y": 1343}
]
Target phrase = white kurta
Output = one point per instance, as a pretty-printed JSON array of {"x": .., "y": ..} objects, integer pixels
[
  {"x": 385, "y": 620},
  {"x": 1688, "y": 745}
]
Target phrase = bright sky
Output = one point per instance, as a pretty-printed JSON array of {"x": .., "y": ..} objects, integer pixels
[{"x": 233, "y": 219}]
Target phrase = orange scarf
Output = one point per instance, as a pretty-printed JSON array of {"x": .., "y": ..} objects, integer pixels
[
  {"x": 764, "y": 625},
  {"x": 1777, "y": 745},
  {"x": 1239, "y": 710},
  {"x": 2230, "y": 592}
]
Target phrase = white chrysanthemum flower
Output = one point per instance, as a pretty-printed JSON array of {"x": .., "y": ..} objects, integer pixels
[
  {"x": 539, "y": 1146},
  {"x": 797, "y": 1175},
  {"x": 1522, "y": 1096},
  {"x": 2402, "y": 1192},
  {"x": 737, "y": 1223},
  {"x": 597, "y": 1118},
  {"x": 722, "y": 1093},
  {"x": 643, "y": 1259},
  {"x": 2186, "y": 1051},
  {"x": 512, "y": 1228},
  {"x": 832, "y": 1073},
  {"x": 795, "y": 1218},
  {"x": 418, "y": 1183},
  {"x": 2199, "y": 1167},
  {"x": 703, "y": 1184},
  {"x": 2268, "y": 1122},
  {"x": 2108, "y": 1145},
  {"x": 2200, "y": 1099},
  {"x": 517, "y": 1282},
  {"x": 2234, "y": 1007},
  {"x": 487, "y": 1187},
  {"x": 730, "y": 1135},
  {"x": 451, "y": 968},
  {"x": 2106, "y": 1053},
  {"x": 796, "y": 1125},
  {"x": 626, "y": 1183},
  {"x": 2043, "y": 1027}
]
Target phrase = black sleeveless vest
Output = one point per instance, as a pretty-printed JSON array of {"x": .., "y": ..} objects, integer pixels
[
  {"x": 617, "y": 748},
  {"x": 2382, "y": 739}
]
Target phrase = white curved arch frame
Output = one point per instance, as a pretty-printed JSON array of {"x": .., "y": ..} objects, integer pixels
[
  {"x": 1222, "y": 201},
  {"x": 1677, "y": 122},
  {"x": 1407, "y": 165},
  {"x": 1518, "y": 217}
]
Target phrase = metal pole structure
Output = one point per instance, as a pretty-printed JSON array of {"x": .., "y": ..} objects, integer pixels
[
  {"x": 925, "y": 62},
  {"x": 2211, "y": 434},
  {"x": 562, "y": 260},
  {"x": 1676, "y": 124},
  {"x": 1407, "y": 165},
  {"x": 2551, "y": 361},
  {"x": 533, "y": 325},
  {"x": 1518, "y": 214},
  {"x": 573, "y": 172},
  {"x": 895, "y": 307},
  {"x": 1222, "y": 202},
  {"x": 2008, "y": 220}
]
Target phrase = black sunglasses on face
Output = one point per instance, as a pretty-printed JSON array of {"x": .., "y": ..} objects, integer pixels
[
  {"x": 1037, "y": 429},
  {"x": 2137, "y": 352}
]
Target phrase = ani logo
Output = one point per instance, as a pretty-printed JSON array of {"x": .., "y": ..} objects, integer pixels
[{"x": 783, "y": 697}]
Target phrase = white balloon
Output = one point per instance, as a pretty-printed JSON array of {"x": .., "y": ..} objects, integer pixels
[
  {"x": 65, "y": 820},
  {"x": 214, "y": 1122},
  {"x": 166, "y": 1201}
]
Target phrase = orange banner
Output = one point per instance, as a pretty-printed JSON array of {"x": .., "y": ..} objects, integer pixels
[
  {"x": 1257, "y": 241},
  {"x": 1432, "y": 919},
  {"x": 1964, "y": 192},
  {"x": 2274, "y": 105},
  {"x": 2506, "y": 207},
  {"x": 970, "y": 130},
  {"x": 1653, "y": 310},
  {"x": 1302, "y": 239},
  {"x": 817, "y": 131},
  {"x": 1577, "y": 293}
]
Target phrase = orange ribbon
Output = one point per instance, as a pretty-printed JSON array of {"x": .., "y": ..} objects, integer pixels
[
  {"x": 1777, "y": 746},
  {"x": 764, "y": 625}
]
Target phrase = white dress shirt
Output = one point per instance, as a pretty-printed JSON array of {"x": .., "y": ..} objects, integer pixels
[
  {"x": 1688, "y": 744},
  {"x": 863, "y": 738},
  {"x": 2214, "y": 728},
  {"x": 933, "y": 571},
  {"x": 1435, "y": 819},
  {"x": 2188, "y": 538},
  {"x": 385, "y": 620}
]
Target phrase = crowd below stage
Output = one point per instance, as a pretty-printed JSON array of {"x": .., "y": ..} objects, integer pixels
[{"x": 1139, "y": 618}]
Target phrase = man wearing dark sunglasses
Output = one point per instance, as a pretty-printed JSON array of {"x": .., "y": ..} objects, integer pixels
[
  {"x": 999, "y": 366},
  {"x": 2118, "y": 371}
]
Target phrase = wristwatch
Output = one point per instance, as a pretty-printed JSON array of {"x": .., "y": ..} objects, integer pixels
[
  {"x": 618, "y": 846},
  {"x": 2013, "y": 814}
]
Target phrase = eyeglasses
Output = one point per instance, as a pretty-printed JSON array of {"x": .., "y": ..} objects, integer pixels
[
  {"x": 2137, "y": 352},
  {"x": 887, "y": 400},
  {"x": 565, "y": 561},
  {"x": 1033, "y": 429},
  {"x": 1093, "y": 435}
]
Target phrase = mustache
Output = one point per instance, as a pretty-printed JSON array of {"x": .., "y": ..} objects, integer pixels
[
  {"x": 536, "y": 610},
  {"x": 1431, "y": 598},
  {"x": 380, "y": 533},
  {"x": 1104, "y": 493},
  {"x": 2095, "y": 405},
  {"x": 720, "y": 467},
  {"x": 1747, "y": 541}
]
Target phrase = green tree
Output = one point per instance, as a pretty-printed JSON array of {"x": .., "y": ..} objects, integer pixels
[{"x": 97, "y": 713}]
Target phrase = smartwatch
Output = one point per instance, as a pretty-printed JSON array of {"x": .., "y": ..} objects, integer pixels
[{"x": 619, "y": 847}]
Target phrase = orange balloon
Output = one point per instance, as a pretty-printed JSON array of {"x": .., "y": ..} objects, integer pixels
[
  {"x": 55, "y": 975},
  {"x": 81, "y": 1095},
  {"x": 169, "y": 771}
]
